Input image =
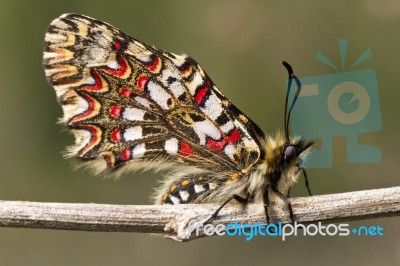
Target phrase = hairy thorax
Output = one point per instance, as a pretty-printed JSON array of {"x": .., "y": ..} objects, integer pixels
[{"x": 272, "y": 172}]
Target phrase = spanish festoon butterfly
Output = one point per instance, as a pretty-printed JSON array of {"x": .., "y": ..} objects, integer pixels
[{"x": 131, "y": 106}]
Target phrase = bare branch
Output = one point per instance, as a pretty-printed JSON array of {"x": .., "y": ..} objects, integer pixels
[{"x": 173, "y": 220}]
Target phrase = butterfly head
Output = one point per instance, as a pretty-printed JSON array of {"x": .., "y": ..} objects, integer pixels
[
  {"x": 293, "y": 153},
  {"x": 283, "y": 156}
]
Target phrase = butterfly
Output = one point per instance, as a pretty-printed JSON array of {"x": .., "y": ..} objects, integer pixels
[{"x": 131, "y": 106}]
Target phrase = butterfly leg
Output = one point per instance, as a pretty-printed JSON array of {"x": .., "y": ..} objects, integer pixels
[
  {"x": 234, "y": 196},
  {"x": 305, "y": 179},
  {"x": 266, "y": 204},
  {"x": 286, "y": 201}
]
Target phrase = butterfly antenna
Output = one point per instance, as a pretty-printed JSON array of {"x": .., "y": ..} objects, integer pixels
[
  {"x": 289, "y": 85},
  {"x": 290, "y": 73}
]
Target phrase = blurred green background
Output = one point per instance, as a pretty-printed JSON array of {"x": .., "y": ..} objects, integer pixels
[{"x": 240, "y": 44}]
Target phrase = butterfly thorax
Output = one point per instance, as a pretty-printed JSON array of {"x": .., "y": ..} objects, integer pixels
[{"x": 274, "y": 172}]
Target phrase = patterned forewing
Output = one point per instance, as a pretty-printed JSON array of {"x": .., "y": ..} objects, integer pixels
[{"x": 127, "y": 102}]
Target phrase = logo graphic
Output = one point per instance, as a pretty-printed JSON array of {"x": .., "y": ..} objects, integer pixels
[{"x": 339, "y": 104}]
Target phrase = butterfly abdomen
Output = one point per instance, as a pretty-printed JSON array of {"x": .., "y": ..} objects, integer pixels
[{"x": 203, "y": 187}]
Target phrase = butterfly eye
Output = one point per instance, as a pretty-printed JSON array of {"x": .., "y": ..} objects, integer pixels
[{"x": 290, "y": 153}]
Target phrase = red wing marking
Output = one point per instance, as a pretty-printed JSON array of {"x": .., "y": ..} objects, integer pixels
[
  {"x": 200, "y": 95},
  {"x": 98, "y": 86},
  {"x": 116, "y": 135},
  {"x": 117, "y": 46},
  {"x": 95, "y": 137},
  {"x": 122, "y": 71},
  {"x": 233, "y": 138},
  {"x": 186, "y": 72},
  {"x": 92, "y": 110},
  {"x": 115, "y": 111},
  {"x": 141, "y": 82},
  {"x": 156, "y": 65},
  {"x": 185, "y": 149},
  {"x": 126, "y": 154},
  {"x": 126, "y": 92}
]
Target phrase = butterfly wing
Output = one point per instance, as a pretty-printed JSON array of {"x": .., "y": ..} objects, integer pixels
[{"x": 129, "y": 104}]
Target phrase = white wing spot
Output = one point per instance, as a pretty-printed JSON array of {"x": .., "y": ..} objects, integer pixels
[
  {"x": 198, "y": 188},
  {"x": 55, "y": 38},
  {"x": 142, "y": 101},
  {"x": 174, "y": 200},
  {"x": 184, "y": 195},
  {"x": 168, "y": 73},
  {"x": 212, "y": 185},
  {"x": 133, "y": 133},
  {"x": 230, "y": 151},
  {"x": 158, "y": 94},
  {"x": 195, "y": 82},
  {"x": 206, "y": 128},
  {"x": 138, "y": 151},
  {"x": 171, "y": 146},
  {"x": 82, "y": 138},
  {"x": 227, "y": 127},
  {"x": 133, "y": 114},
  {"x": 71, "y": 110},
  {"x": 176, "y": 87},
  {"x": 90, "y": 81},
  {"x": 212, "y": 107},
  {"x": 179, "y": 60},
  {"x": 113, "y": 65},
  {"x": 61, "y": 24},
  {"x": 144, "y": 58},
  {"x": 82, "y": 105}
]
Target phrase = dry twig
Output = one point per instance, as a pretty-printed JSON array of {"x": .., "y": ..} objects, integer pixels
[{"x": 173, "y": 221}]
